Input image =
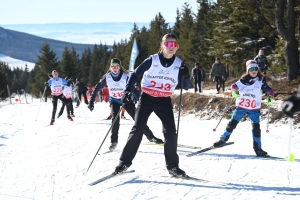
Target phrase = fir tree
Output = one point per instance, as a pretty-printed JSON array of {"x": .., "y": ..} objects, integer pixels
[{"x": 47, "y": 62}]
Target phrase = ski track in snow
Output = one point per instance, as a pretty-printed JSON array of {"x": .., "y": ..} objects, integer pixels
[{"x": 47, "y": 162}]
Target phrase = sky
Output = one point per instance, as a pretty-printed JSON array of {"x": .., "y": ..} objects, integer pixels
[
  {"x": 42, "y": 162},
  {"x": 88, "y": 11}
]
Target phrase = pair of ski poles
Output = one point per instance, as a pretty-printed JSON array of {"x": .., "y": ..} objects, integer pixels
[{"x": 118, "y": 115}]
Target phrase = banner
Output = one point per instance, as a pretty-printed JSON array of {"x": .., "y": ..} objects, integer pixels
[{"x": 134, "y": 54}]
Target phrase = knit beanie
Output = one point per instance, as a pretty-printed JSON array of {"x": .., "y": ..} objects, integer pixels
[
  {"x": 115, "y": 61},
  {"x": 251, "y": 63},
  {"x": 261, "y": 52}
]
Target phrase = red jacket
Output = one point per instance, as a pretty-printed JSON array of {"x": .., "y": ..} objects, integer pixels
[{"x": 105, "y": 93}]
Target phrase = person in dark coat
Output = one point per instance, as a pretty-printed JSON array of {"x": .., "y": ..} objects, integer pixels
[
  {"x": 198, "y": 75},
  {"x": 262, "y": 61},
  {"x": 81, "y": 90},
  {"x": 219, "y": 71}
]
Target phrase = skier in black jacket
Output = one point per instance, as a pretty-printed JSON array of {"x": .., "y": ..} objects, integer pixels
[
  {"x": 161, "y": 73},
  {"x": 81, "y": 90},
  {"x": 116, "y": 80}
]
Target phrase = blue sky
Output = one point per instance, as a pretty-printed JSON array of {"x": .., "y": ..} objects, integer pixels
[
  {"x": 88, "y": 11},
  {"x": 85, "y": 21}
]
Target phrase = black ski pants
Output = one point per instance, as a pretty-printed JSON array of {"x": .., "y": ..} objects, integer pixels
[
  {"x": 63, "y": 107},
  {"x": 163, "y": 108},
  {"x": 197, "y": 83},
  {"x": 79, "y": 98},
  {"x": 130, "y": 108},
  {"x": 220, "y": 83},
  {"x": 54, "y": 103}
]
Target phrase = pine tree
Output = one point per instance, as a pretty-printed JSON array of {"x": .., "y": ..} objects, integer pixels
[
  {"x": 3, "y": 80},
  {"x": 47, "y": 62},
  {"x": 158, "y": 28},
  {"x": 187, "y": 35}
]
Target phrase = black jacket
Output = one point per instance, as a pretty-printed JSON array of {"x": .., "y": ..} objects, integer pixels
[
  {"x": 81, "y": 87},
  {"x": 198, "y": 74}
]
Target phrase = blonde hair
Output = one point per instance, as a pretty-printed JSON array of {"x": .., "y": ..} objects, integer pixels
[{"x": 164, "y": 38}]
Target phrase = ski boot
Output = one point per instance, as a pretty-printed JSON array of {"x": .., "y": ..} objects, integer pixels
[
  {"x": 52, "y": 121},
  {"x": 70, "y": 118},
  {"x": 156, "y": 140},
  {"x": 112, "y": 146},
  {"x": 176, "y": 171},
  {"x": 261, "y": 153},
  {"x": 219, "y": 143},
  {"x": 121, "y": 168}
]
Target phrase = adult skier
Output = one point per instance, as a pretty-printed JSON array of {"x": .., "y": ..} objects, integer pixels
[
  {"x": 116, "y": 80},
  {"x": 160, "y": 75}
]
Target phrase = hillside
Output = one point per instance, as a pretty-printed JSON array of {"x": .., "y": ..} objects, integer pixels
[
  {"x": 26, "y": 47},
  {"x": 210, "y": 105}
]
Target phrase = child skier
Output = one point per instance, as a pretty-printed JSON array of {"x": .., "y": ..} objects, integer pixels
[
  {"x": 56, "y": 84},
  {"x": 67, "y": 92},
  {"x": 161, "y": 73},
  {"x": 116, "y": 80},
  {"x": 247, "y": 92}
]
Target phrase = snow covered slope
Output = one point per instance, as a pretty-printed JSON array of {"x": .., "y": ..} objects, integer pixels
[
  {"x": 38, "y": 161},
  {"x": 12, "y": 62}
]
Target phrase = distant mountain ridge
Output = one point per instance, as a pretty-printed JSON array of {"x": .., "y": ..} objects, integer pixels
[{"x": 26, "y": 47}]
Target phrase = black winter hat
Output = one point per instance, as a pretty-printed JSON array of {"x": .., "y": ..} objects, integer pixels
[
  {"x": 197, "y": 64},
  {"x": 217, "y": 59}
]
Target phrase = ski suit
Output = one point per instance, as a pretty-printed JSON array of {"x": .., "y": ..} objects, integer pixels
[
  {"x": 116, "y": 87},
  {"x": 160, "y": 77},
  {"x": 249, "y": 102},
  {"x": 56, "y": 85}
]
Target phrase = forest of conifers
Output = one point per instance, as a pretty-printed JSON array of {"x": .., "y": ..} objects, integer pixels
[{"x": 232, "y": 30}]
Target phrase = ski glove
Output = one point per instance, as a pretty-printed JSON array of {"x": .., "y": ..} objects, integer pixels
[
  {"x": 127, "y": 97},
  {"x": 270, "y": 100},
  {"x": 235, "y": 94},
  {"x": 184, "y": 70},
  {"x": 91, "y": 106},
  {"x": 291, "y": 105},
  {"x": 46, "y": 84}
]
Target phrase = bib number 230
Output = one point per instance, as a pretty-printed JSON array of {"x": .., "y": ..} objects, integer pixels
[{"x": 247, "y": 103}]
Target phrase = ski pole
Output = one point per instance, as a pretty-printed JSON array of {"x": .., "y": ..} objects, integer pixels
[
  {"x": 40, "y": 103},
  {"x": 290, "y": 157},
  {"x": 179, "y": 110},
  {"x": 268, "y": 119},
  {"x": 114, "y": 121},
  {"x": 224, "y": 113}
]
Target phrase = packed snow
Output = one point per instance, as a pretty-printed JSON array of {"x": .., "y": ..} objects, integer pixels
[
  {"x": 12, "y": 62},
  {"x": 41, "y": 162}
]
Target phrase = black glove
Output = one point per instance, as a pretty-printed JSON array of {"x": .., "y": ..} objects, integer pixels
[
  {"x": 46, "y": 84},
  {"x": 91, "y": 105},
  {"x": 127, "y": 97},
  {"x": 184, "y": 70},
  {"x": 291, "y": 105}
]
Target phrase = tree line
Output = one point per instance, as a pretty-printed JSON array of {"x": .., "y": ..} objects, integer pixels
[{"x": 232, "y": 30}]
